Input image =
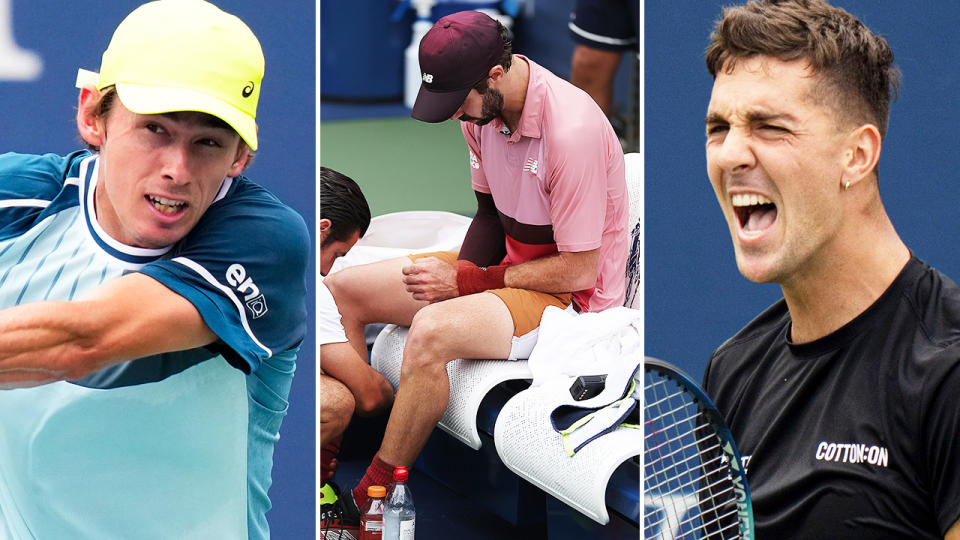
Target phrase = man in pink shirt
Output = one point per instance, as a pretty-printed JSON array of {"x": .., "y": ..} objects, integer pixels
[{"x": 551, "y": 229}]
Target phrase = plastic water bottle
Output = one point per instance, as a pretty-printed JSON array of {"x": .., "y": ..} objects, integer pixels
[
  {"x": 399, "y": 515},
  {"x": 371, "y": 515}
]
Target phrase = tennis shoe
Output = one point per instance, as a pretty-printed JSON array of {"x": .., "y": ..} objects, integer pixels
[{"x": 339, "y": 514}]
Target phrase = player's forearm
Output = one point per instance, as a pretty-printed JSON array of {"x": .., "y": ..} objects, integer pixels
[
  {"x": 45, "y": 342},
  {"x": 377, "y": 399},
  {"x": 372, "y": 392},
  {"x": 130, "y": 317},
  {"x": 560, "y": 273}
]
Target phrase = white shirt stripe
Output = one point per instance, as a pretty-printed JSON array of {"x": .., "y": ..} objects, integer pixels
[{"x": 11, "y": 203}]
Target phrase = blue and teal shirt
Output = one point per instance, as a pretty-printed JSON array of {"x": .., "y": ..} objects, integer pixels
[{"x": 178, "y": 445}]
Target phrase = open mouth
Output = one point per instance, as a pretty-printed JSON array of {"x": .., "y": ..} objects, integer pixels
[
  {"x": 166, "y": 206},
  {"x": 754, "y": 212}
]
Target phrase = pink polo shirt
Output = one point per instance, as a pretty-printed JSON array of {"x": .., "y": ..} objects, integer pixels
[{"x": 557, "y": 182}]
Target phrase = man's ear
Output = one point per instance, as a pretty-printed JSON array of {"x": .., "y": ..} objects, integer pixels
[
  {"x": 90, "y": 124},
  {"x": 496, "y": 73},
  {"x": 324, "y": 225},
  {"x": 862, "y": 154},
  {"x": 240, "y": 163}
]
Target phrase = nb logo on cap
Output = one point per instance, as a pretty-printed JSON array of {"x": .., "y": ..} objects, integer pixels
[
  {"x": 248, "y": 89},
  {"x": 427, "y": 78}
]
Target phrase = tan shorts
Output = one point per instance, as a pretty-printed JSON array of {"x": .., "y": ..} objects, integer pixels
[{"x": 525, "y": 306}]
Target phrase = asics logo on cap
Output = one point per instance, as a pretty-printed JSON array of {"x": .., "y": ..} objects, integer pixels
[
  {"x": 427, "y": 78},
  {"x": 248, "y": 89}
]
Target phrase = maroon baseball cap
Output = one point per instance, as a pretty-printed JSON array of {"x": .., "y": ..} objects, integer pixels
[{"x": 455, "y": 54}]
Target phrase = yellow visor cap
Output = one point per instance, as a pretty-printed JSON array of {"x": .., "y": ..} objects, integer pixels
[{"x": 185, "y": 55}]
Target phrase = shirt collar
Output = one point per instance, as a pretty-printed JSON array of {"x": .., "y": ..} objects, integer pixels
[{"x": 532, "y": 111}]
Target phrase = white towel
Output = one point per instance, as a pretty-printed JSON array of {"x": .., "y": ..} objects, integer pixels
[{"x": 570, "y": 344}]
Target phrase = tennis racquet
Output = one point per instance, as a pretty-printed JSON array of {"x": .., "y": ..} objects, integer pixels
[{"x": 694, "y": 484}]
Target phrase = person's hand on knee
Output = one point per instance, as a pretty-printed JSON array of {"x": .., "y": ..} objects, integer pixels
[{"x": 431, "y": 279}]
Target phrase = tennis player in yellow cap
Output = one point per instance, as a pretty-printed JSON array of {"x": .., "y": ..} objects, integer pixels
[{"x": 152, "y": 298}]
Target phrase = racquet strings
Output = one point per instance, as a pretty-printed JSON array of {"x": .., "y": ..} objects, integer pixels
[{"x": 688, "y": 486}]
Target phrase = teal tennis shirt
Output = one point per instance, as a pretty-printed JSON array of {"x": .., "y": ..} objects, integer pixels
[{"x": 178, "y": 445}]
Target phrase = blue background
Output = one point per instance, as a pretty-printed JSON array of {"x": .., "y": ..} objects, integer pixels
[
  {"x": 38, "y": 117},
  {"x": 695, "y": 297}
]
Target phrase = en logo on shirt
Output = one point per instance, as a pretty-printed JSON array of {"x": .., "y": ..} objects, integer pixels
[{"x": 238, "y": 279}]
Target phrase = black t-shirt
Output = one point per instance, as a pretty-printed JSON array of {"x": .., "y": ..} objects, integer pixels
[{"x": 857, "y": 434}]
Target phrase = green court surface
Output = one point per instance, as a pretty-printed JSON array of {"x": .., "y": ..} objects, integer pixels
[{"x": 401, "y": 164}]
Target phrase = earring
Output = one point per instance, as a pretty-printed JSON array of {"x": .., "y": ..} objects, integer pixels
[{"x": 846, "y": 186}]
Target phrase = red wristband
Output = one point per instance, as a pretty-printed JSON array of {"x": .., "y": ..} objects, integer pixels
[{"x": 473, "y": 279}]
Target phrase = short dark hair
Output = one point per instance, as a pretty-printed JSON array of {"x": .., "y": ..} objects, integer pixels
[
  {"x": 506, "y": 58},
  {"x": 857, "y": 75},
  {"x": 342, "y": 202}
]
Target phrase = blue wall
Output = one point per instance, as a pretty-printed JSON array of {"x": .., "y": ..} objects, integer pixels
[
  {"x": 38, "y": 117},
  {"x": 695, "y": 298}
]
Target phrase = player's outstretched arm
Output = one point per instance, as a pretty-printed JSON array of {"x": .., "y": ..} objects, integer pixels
[
  {"x": 371, "y": 391},
  {"x": 563, "y": 272},
  {"x": 126, "y": 318}
]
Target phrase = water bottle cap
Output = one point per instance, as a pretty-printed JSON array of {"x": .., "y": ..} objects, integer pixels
[
  {"x": 376, "y": 491},
  {"x": 400, "y": 474}
]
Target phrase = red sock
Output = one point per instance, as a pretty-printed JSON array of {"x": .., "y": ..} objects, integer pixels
[
  {"x": 379, "y": 473},
  {"x": 327, "y": 456}
]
